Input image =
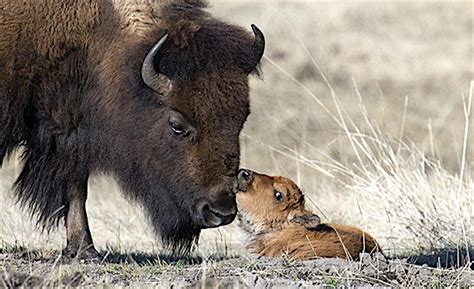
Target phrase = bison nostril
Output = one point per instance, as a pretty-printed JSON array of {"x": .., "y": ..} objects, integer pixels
[{"x": 223, "y": 214}]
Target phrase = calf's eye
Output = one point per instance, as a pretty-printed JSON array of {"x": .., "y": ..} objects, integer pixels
[{"x": 278, "y": 195}]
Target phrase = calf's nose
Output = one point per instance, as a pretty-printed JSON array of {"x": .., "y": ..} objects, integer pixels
[{"x": 244, "y": 178}]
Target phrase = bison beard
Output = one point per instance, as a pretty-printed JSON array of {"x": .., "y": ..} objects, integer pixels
[{"x": 75, "y": 95}]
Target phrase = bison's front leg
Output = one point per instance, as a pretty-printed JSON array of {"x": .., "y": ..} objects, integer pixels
[{"x": 79, "y": 239}]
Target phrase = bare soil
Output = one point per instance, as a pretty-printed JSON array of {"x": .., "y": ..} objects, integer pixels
[{"x": 36, "y": 268}]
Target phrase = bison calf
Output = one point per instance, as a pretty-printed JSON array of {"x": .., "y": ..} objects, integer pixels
[{"x": 272, "y": 211}]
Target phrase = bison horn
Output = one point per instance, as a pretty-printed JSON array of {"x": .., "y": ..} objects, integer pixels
[
  {"x": 258, "y": 45},
  {"x": 150, "y": 76}
]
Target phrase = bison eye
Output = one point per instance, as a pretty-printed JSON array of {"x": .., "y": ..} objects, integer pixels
[
  {"x": 278, "y": 195},
  {"x": 176, "y": 128}
]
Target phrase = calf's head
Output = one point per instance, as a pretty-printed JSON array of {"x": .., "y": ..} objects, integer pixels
[{"x": 269, "y": 202}]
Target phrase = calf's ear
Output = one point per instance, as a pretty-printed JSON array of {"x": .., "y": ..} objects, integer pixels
[{"x": 306, "y": 218}]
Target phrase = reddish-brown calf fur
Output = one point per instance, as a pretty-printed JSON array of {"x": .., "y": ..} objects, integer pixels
[{"x": 284, "y": 228}]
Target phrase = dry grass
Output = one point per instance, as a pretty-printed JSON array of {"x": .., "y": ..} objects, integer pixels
[
  {"x": 366, "y": 105},
  {"x": 137, "y": 270}
]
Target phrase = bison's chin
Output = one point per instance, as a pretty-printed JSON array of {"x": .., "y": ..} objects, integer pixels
[
  {"x": 179, "y": 223},
  {"x": 180, "y": 232},
  {"x": 181, "y": 241}
]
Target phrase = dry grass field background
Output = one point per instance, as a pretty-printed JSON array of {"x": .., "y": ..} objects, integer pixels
[{"x": 366, "y": 105}]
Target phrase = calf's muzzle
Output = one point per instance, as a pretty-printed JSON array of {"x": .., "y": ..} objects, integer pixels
[{"x": 244, "y": 179}]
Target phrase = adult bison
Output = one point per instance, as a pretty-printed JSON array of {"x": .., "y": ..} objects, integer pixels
[{"x": 153, "y": 93}]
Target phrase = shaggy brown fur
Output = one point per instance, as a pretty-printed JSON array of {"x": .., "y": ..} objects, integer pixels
[
  {"x": 272, "y": 211},
  {"x": 72, "y": 94}
]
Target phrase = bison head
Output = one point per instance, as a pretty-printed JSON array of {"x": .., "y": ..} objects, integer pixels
[{"x": 178, "y": 143}]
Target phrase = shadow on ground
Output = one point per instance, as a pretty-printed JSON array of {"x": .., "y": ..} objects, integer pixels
[
  {"x": 447, "y": 258},
  {"x": 109, "y": 256}
]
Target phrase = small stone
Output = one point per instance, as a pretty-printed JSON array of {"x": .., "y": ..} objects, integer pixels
[
  {"x": 365, "y": 258},
  {"x": 425, "y": 272},
  {"x": 379, "y": 257},
  {"x": 380, "y": 261},
  {"x": 261, "y": 284},
  {"x": 370, "y": 270},
  {"x": 332, "y": 270},
  {"x": 326, "y": 264},
  {"x": 250, "y": 279}
]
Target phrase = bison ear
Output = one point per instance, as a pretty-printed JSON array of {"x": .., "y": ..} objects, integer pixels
[
  {"x": 152, "y": 78},
  {"x": 307, "y": 219}
]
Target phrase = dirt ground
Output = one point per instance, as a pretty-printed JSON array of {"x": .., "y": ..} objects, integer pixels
[{"x": 34, "y": 268}]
